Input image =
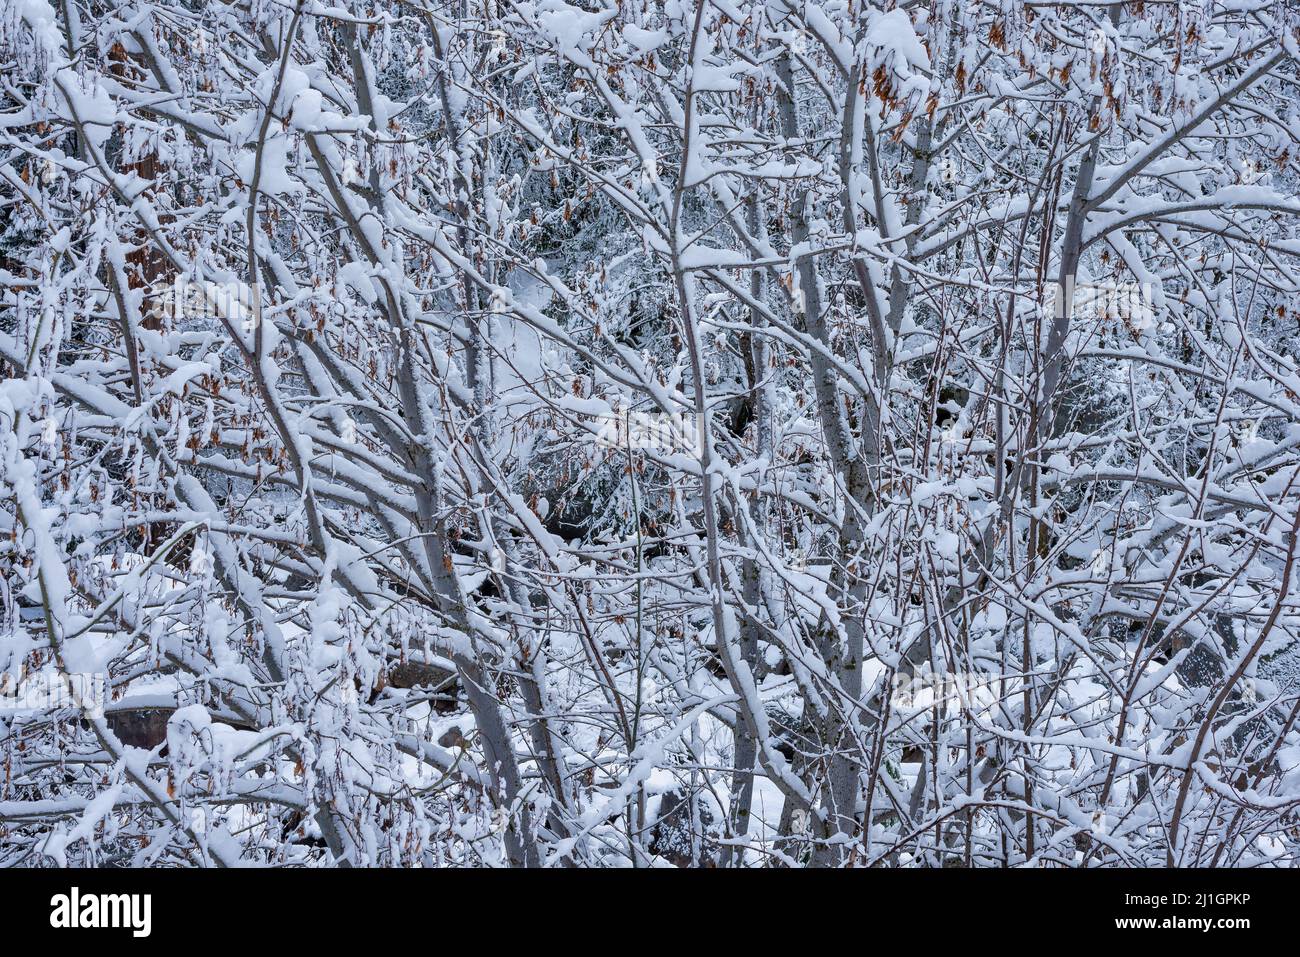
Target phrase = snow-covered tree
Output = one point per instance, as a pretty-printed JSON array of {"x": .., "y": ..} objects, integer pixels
[{"x": 819, "y": 433}]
